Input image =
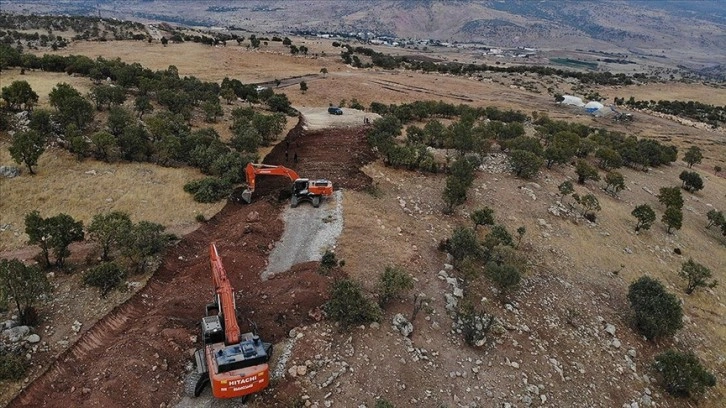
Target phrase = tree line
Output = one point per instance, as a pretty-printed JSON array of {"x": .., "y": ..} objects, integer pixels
[
  {"x": 712, "y": 114},
  {"x": 385, "y": 61},
  {"x": 130, "y": 133}
]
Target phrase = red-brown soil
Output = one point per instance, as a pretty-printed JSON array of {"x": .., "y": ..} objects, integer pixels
[{"x": 136, "y": 355}]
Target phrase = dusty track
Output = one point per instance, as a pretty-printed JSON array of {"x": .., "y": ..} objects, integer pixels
[{"x": 136, "y": 355}]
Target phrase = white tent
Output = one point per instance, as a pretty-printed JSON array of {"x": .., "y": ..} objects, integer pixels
[
  {"x": 572, "y": 100},
  {"x": 594, "y": 108}
]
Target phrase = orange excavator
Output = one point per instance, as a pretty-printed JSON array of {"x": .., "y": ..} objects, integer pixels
[
  {"x": 235, "y": 364},
  {"x": 302, "y": 189}
]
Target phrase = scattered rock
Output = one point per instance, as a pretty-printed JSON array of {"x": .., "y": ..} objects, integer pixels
[
  {"x": 402, "y": 324},
  {"x": 33, "y": 338},
  {"x": 15, "y": 334},
  {"x": 9, "y": 171},
  {"x": 610, "y": 329},
  {"x": 253, "y": 216}
]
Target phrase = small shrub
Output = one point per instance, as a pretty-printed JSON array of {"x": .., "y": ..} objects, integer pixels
[
  {"x": 474, "y": 325},
  {"x": 682, "y": 374},
  {"x": 328, "y": 261},
  {"x": 106, "y": 276},
  {"x": 12, "y": 367},
  {"x": 392, "y": 283},
  {"x": 349, "y": 306},
  {"x": 382, "y": 403},
  {"x": 200, "y": 218}
]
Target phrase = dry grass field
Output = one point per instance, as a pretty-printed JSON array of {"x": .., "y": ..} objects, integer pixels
[{"x": 573, "y": 263}]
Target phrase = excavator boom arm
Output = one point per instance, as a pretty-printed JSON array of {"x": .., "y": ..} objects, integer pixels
[
  {"x": 252, "y": 170},
  {"x": 225, "y": 296}
]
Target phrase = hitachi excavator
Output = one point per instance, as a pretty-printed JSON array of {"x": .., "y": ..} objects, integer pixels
[
  {"x": 302, "y": 189},
  {"x": 234, "y": 364}
]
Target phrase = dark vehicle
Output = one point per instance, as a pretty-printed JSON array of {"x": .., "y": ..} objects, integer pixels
[{"x": 335, "y": 111}]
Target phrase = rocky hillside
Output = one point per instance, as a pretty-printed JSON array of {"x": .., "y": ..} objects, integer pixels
[{"x": 684, "y": 32}]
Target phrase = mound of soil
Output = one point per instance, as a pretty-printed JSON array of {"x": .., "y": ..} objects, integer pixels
[{"x": 136, "y": 355}]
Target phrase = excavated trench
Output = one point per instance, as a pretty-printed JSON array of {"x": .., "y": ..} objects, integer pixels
[{"x": 136, "y": 355}]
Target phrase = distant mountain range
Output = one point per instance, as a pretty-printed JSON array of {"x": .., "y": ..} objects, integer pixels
[{"x": 688, "y": 32}]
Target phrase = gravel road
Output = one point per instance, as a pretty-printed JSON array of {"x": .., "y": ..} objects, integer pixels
[{"x": 308, "y": 233}]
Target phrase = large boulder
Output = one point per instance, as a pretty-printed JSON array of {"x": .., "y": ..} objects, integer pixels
[{"x": 16, "y": 334}]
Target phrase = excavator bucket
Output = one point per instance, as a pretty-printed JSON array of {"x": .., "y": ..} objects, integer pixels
[{"x": 247, "y": 196}]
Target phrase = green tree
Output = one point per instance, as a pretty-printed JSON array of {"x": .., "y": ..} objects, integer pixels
[
  {"x": 566, "y": 188},
  {"x": 525, "y": 164},
  {"x": 505, "y": 276},
  {"x": 673, "y": 218},
  {"x": 349, "y": 306},
  {"x": 693, "y": 156},
  {"x": 464, "y": 244},
  {"x": 563, "y": 146},
  {"x": 19, "y": 95},
  {"x": 457, "y": 183},
  {"x": 585, "y": 172},
  {"x": 692, "y": 181},
  {"x": 645, "y": 216},
  {"x": 482, "y": 216},
  {"x": 209, "y": 190},
  {"x": 78, "y": 144},
  {"x": 25, "y": 285},
  {"x": 27, "y": 147},
  {"x": 696, "y": 275},
  {"x": 454, "y": 194},
  {"x": 657, "y": 312},
  {"x": 682, "y": 374},
  {"x": 107, "y": 229},
  {"x": 715, "y": 218},
  {"x": 498, "y": 235},
  {"x": 59, "y": 232},
  {"x": 164, "y": 41},
  {"x": 303, "y": 86},
  {"x": 71, "y": 107},
  {"x": 142, "y": 105},
  {"x": 392, "y": 283},
  {"x": 609, "y": 158},
  {"x": 246, "y": 139},
  {"x": 279, "y": 103},
  {"x": 590, "y": 205},
  {"x": 212, "y": 110},
  {"x": 143, "y": 241},
  {"x": 41, "y": 122},
  {"x": 324, "y": 71},
  {"x": 106, "y": 146},
  {"x": 106, "y": 277},
  {"x": 615, "y": 181},
  {"x": 670, "y": 197},
  {"x": 228, "y": 94},
  {"x": 118, "y": 120}
]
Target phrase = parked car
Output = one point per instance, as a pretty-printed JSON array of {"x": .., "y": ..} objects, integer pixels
[{"x": 335, "y": 111}]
